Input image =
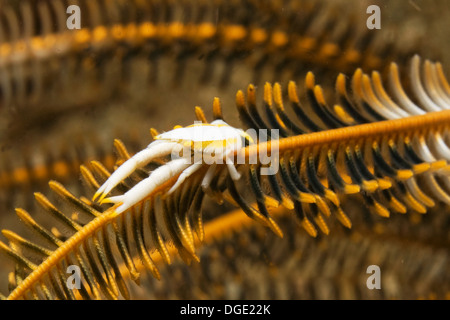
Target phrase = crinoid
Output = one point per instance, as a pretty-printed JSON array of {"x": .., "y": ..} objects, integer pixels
[
  {"x": 385, "y": 149},
  {"x": 43, "y": 63},
  {"x": 131, "y": 54},
  {"x": 139, "y": 53}
]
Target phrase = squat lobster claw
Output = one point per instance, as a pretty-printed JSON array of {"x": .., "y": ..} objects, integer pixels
[{"x": 198, "y": 141}]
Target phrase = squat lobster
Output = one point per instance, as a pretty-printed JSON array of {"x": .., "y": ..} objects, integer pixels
[{"x": 199, "y": 140}]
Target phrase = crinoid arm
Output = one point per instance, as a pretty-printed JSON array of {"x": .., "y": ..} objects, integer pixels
[{"x": 387, "y": 152}]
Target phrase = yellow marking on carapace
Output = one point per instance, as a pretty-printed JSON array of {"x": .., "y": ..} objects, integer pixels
[{"x": 206, "y": 125}]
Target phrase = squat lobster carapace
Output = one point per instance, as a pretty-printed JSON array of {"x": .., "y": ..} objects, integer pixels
[{"x": 198, "y": 142}]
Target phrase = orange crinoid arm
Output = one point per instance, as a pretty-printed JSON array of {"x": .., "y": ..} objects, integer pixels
[{"x": 383, "y": 146}]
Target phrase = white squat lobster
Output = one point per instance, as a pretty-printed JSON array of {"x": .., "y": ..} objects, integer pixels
[{"x": 216, "y": 137}]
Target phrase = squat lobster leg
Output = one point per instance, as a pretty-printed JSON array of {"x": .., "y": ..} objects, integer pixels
[
  {"x": 148, "y": 185},
  {"x": 185, "y": 174},
  {"x": 154, "y": 150}
]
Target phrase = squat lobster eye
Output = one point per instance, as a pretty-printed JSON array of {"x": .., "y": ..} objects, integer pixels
[{"x": 217, "y": 138}]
